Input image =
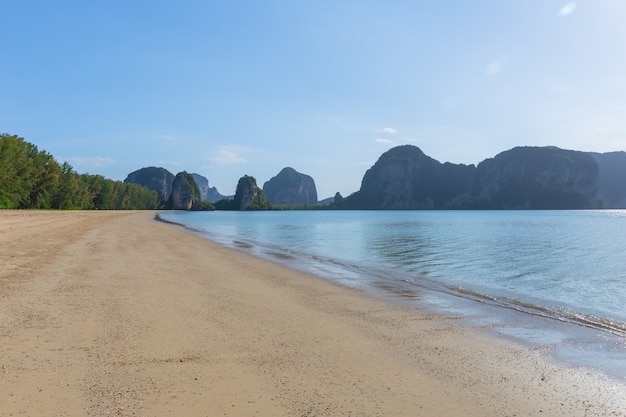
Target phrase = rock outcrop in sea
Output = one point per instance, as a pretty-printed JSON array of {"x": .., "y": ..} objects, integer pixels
[
  {"x": 290, "y": 187},
  {"x": 185, "y": 193},
  {"x": 249, "y": 196}
]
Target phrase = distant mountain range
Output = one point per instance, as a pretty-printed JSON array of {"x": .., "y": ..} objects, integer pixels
[
  {"x": 289, "y": 187},
  {"x": 520, "y": 178},
  {"x": 404, "y": 178}
]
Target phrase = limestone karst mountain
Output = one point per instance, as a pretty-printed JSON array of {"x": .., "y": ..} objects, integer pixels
[
  {"x": 161, "y": 180},
  {"x": 248, "y": 195},
  {"x": 290, "y": 187},
  {"x": 185, "y": 193},
  {"x": 153, "y": 178},
  {"x": 520, "y": 178}
]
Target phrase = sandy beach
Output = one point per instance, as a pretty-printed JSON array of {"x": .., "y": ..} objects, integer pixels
[{"x": 116, "y": 314}]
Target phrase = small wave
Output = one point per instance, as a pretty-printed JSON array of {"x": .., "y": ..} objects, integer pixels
[
  {"x": 241, "y": 244},
  {"x": 395, "y": 290},
  {"x": 561, "y": 314},
  {"x": 158, "y": 217},
  {"x": 280, "y": 255}
]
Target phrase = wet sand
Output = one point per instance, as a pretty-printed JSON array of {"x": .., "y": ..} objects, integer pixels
[{"x": 113, "y": 313}]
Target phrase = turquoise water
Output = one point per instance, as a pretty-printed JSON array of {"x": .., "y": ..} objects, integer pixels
[{"x": 552, "y": 278}]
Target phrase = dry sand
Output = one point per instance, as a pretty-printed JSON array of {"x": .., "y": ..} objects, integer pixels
[{"x": 113, "y": 313}]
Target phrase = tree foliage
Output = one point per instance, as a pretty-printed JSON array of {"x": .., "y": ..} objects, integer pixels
[{"x": 33, "y": 179}]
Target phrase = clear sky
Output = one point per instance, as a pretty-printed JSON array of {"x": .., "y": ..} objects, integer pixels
[{"x": 233, "y": 87}]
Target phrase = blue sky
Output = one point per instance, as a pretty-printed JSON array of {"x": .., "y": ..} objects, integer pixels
[{"x": 227, "y": 88}]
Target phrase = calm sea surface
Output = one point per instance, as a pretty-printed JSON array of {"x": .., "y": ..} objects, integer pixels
[{"x": 552, "y": 278}]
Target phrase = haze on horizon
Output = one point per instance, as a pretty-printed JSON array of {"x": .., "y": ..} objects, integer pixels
[{"x": 249, "y": 87}]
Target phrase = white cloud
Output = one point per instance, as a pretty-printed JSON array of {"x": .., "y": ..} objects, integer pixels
[
  {"x": 567, "y": 9},
  {"x": 384, "y": 141},
  {"x": 389, "y": 130},
  {"x": 228, "y": 155},
  {"x": 91, "y": 162}
]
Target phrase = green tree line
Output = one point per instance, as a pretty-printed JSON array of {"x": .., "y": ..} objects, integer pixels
[{"x": 33, "y": 179}]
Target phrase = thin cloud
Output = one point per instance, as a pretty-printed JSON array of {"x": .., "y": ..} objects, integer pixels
[
  {"x": 568, "y": 9},
  {"x": 228, "y": 155},
  {"x": 389, "y": 130},
  {"x": 495, "y": 67},
  {"x": 384, "y": 141},
  {"x": 91, "y": 162}
]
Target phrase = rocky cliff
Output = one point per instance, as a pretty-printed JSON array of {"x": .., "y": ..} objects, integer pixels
[
  {"x": 537, "y": 178},
  {"x": 521, "y": 178},
  {"x": 405, "y": 178},
  {"x": 612, "y": 182},
  {"x": 161, "y": 180},
  {"x": 248, "y": 195},
  {"x": 290, "y": 187},
  {"x": 207, "y": 193},
  {"x": 153, "y": 178},
  {"x": 185, "y": 192}
]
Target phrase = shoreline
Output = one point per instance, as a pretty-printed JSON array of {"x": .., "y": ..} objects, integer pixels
[
  {"x": 568, "y": 336},
  {"x": 117, "y": 313}
]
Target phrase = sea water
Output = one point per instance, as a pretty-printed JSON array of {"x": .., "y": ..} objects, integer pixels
[{"x": 556, "y": 279}]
